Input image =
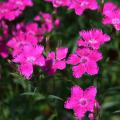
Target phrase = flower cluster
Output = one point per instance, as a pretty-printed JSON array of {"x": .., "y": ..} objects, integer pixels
[
  {"x": 27, "y": 48},
  {"x": 81, "y": 5},
  {"x": 82, "y": 101},
  {"x": 78, "y": 5},
  {"x": 11, "y": 9},
  {"x": 92, "y": 38},
  {"x": 59, "y": 3},
  {"x": 111, "y": 14},
  {"x": 86, "y": 56},
  {"x": 47, "y": 21}
]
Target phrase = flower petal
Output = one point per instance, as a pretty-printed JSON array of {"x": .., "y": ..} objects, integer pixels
[
  {"x": 92, "y": 68},
  {"x": 40, "y": 61},
  {"x": 51, "y": 55},
  {"x": 73, "y": 59},
  {"x": 76, "y": 92},
  {"x": 96, "y": 55},
  {"x": 90, "y": 93},
  {"x": 26, "y": 69},
  {"x": 60, "y": 65},
  {"x": 78, "y": 70},
  {"x": 70, "y": 103},
  {"x": 61, "y": 53},
  {"x": 79, "y": 112}
]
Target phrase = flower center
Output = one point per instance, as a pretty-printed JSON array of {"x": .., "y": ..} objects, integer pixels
[
  {"x": 83, "y": 102},
  {"x": 84, "y": 59},
  {"x": 20, "y": 44},
  {"x": 31, "y": 59},
  {"x": 92, "y": 41},
  {"x": 58, "y": 2},
  {"x": 83, "y": 3},
  {"x": 115, "y": 21},
  {"x": 19, "y": 3}
]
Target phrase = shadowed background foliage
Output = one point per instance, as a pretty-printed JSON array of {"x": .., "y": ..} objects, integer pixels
[{"x": 42, "y": 97}]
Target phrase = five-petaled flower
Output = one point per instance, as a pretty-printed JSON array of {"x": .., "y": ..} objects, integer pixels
[
  {"x": 111, "y": 14},
  {"x": 81, "y": 5},
  {"x": 92, "y": 38},
  {"x": 59, "y": 3},
  {"x": 81, "y": 101},
  {"x": 84, "y": 61},
  {"x": 29, "y": 56}
]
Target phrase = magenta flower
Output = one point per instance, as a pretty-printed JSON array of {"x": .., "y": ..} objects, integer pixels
[
  {"x": 93, "y": 38},
  {"x": 81, "y": 5},
  {"x": 111, "y": 14},
  {"x": 19, "y": 40},
  {"x": 59, "y": 3},
  {"x": 11, "y": 9},
  {"x": 56, "y": 61},
  {"x": 81, "y": 101},
  {"x": 28, "y": 57},
  {"x": 108, "y": 8},
  {"x": 84, "y": 61},
  {"x": 47, "y": 26},
  {"x": 113, "y": 19}
]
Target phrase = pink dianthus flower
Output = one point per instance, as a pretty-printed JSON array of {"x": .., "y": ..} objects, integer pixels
[
  {"x": 29, "y": 56},
  {"x": 108, "y": 8},
  {"x": 81, "y": 101},
  {"x": 84, "y": 61},
  {"x": 111, "y": 14},
  {"x": 93, "y": 38},
  {"x": 18, "y": 41},
  {"x": 56, "y": 61},
  {"x": 59, "y": 3},
  {"x": 81, "y": 5}
]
